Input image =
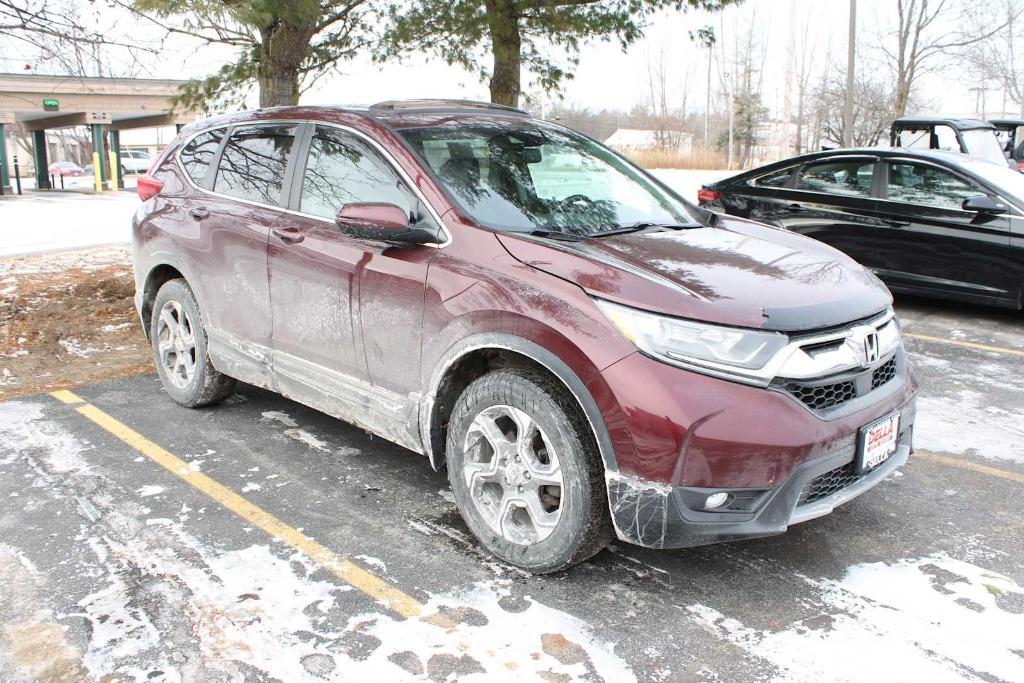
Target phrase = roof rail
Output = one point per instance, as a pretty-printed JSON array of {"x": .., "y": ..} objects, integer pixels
[{"x": 405, "y": 105}]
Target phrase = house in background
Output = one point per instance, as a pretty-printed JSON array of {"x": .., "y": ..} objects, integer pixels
[{"x": 632, "y": 139}]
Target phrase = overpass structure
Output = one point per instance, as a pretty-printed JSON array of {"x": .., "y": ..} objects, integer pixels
[{"x": 106, "y": 105}]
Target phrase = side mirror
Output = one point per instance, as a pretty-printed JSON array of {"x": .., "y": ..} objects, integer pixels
[
  {"x": 983, "y": 204},
  {"x": 384, "y": 222}
]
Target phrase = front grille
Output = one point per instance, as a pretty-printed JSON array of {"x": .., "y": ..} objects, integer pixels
[
  {"x": 883, "y": 373},
  {"x": 822, "y": 397},
  {"x": 831, "y": 482}
]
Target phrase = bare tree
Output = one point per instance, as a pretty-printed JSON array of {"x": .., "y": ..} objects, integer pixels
[
  {"x": 668, "y": 106},
  {"x": 806, "y": 62},
  {"x": 60, "y": 33},
  {"x": 874, "y": 101},
  {"x": 927, "y": 31},
  {"x": 1001, "y": 59},
  {"x": 740, "y": 69}
]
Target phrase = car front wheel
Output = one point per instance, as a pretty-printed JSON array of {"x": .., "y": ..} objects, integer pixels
[
  {"x": 179, "y": 349},
  {"x": 525, "y": 471}
]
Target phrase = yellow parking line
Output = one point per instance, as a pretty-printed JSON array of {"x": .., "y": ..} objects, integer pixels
[
  {"x": 357, "y": 577},
  {"x": 964, "y": 344},
  {"x": 973, "y": 466}
]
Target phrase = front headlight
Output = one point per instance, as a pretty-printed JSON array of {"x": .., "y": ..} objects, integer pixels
[{"x": 726, "y": 351}]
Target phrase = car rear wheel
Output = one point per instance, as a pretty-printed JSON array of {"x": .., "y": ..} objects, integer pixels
[
  {"x": 526, "y": 473},
  {"x": 179, "y": 349}
]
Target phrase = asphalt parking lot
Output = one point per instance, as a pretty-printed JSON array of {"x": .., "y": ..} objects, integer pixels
[{"x": 261, "y": 540}]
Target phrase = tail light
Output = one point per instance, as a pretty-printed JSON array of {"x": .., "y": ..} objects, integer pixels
[
  {"x": 148, "y": 186},
  {"x": 1020, "y": 167},
  {"x": 706, "y": 195}
]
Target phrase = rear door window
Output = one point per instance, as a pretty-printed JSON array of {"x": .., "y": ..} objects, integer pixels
[
  {"x": 341, "y": 169},
  {"x": 197, "y": 155},
  {"x": 847, "y": 177},
  {"x": 928, "y": 185},
  {"x": 254, "y": 163}
]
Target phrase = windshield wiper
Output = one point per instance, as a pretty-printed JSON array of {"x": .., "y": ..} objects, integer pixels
[
  {"x": 643, "y": 225},
  {"x": 564, "y": 236}
]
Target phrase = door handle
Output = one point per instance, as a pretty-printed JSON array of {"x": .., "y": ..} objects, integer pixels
[
  {"x": 288, "y": 235},
  {"x": 795, "y": 208},
  {"x": 199, "y": 214},
  {"x": 895, "y": 223}
]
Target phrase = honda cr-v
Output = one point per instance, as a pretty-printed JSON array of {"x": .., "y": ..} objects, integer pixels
[{"x": 589, "y": 355}]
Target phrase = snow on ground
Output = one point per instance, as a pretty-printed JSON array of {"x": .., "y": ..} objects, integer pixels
[
  {"x": 927, "y": 619},
  {"x": 263, "y": 608},
  {"x": 56, "y": 222},
  {"x": 964, "y": 424}
]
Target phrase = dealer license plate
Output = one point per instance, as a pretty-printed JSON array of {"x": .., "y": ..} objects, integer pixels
[{"x": 878, "y": 442}]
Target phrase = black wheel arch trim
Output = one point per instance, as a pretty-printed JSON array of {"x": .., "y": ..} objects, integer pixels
[{"x": 530, "y": 350}]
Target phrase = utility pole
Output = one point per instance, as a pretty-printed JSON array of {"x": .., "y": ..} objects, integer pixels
[
  {"x": 851, "y": 49},
  {"x": 707, "y": 105}
]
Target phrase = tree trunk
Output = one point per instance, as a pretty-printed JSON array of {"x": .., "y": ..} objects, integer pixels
[
  {"x": 282, "y": 50},
  {"x": 506, "y": 49}
]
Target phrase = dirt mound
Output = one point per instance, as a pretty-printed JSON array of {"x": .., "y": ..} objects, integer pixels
[{"x": 68, "y": 326}]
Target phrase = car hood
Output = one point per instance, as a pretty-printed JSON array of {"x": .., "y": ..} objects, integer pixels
[{"x": 735, "y": 273}]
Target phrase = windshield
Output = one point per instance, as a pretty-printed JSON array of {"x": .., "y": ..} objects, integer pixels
[
  {"x": 982, "y": 143},
  {"x": 529, "y": 177},
  {"x": 1009, "y": 181}
]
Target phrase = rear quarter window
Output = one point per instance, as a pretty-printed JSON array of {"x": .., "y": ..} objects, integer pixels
[
  {"x": 775, "y": 179},
  {"x": 196, "y": 156}
]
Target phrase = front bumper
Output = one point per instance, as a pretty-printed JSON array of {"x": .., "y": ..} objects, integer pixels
[{"x": 658, "y": 515}]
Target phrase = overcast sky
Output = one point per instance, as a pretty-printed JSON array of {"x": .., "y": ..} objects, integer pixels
[{"x": 607, "y": 77}]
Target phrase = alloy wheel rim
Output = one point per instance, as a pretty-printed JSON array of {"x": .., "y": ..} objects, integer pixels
[
  {"x": 176, "y": 344},
  {"x": 513, "y": 474}
]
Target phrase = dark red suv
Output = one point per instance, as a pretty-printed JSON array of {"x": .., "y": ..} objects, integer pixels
[{"x": 588, "y": 354}]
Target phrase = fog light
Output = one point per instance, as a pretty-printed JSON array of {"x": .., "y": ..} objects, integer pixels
[{"x": 716, "y": 500}]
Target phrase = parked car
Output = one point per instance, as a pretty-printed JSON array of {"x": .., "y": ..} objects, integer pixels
[
  {"x": 1010, "y": 133},
  {"x": 606, "y": 360},
  {"x": 972, "y": 137},
  {"x": 135, "y": 161},
  {"x": 65, "y": 168},
  {"x": 926, "y": 222}
]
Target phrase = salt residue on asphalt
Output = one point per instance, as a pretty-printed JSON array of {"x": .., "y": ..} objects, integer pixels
[{"x": 930, "y": 619}]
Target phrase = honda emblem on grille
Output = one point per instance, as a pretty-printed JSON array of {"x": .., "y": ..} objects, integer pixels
[{"x": 871, "y": 347}]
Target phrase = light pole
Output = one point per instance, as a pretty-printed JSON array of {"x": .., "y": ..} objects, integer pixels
[{"x": 851, "y": 49}]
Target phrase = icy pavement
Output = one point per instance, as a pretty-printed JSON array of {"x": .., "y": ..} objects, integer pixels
[{"x": 110, "y": 565}]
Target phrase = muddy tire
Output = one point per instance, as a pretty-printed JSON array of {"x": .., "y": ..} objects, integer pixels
[
  {"x": 526, "y": 472},
  {"x": 178, "y": 342}
]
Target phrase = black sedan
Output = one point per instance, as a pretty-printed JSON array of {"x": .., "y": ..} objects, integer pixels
[{"x": 926, "y": 221}]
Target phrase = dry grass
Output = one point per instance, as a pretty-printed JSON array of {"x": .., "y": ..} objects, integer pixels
[{"x": 699, "y": 157}]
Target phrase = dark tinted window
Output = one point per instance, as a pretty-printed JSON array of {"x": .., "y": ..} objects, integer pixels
[
  {"x": 851, "y": 177},
  {"x": 928, "y": 185},
  {"x": 342, "y": 170},
  {"x": 197, "y": 154},
  {"x": 254, "y": 162},
  {"x": 777, "y": 179}
]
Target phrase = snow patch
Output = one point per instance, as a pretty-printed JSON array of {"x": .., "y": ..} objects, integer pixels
[
  {"x": 302, "y": 436},
  {"x": 278, "y": 416},
  {"x": 149, "y": 490},
  {"x": 930, "y": 619},
  {"x": 24, "y": 428},
  {"x": 963, "y": 425}
]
